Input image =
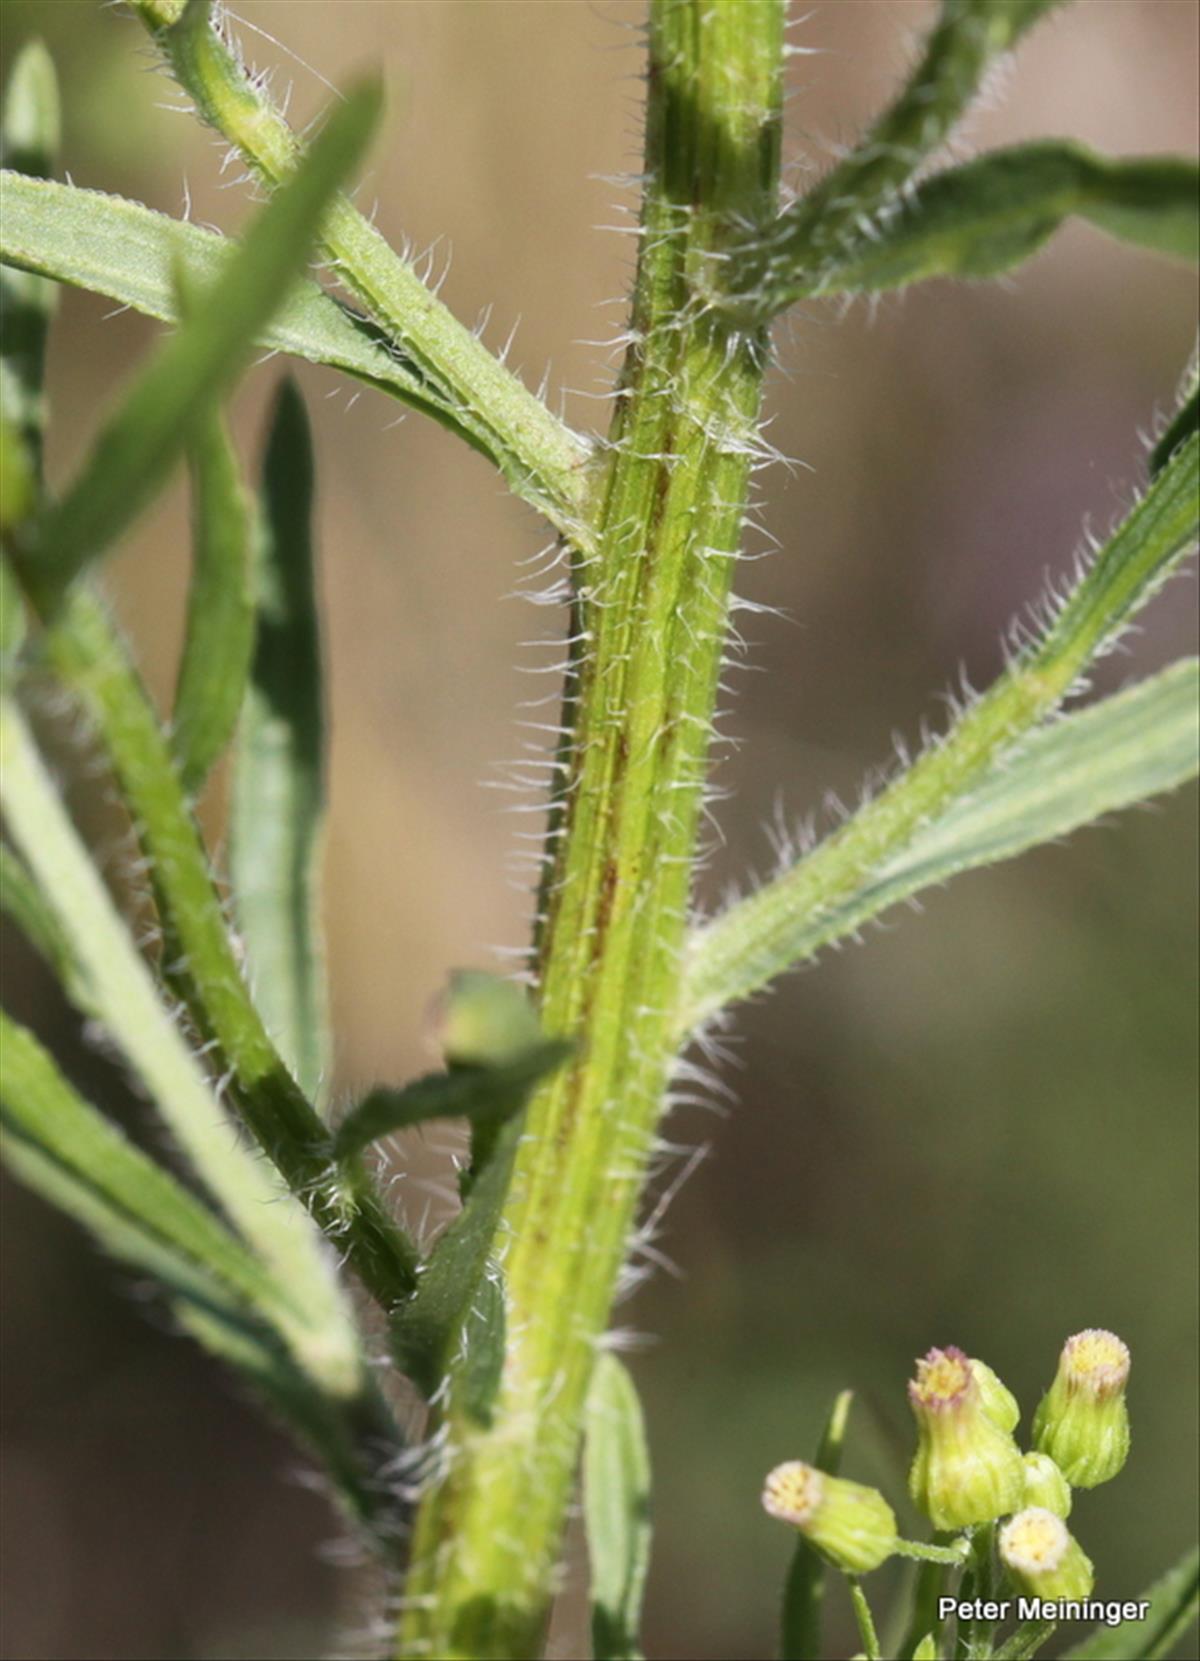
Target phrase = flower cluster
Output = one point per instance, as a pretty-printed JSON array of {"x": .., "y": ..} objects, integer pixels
[{"x": 968, "y": 1470}]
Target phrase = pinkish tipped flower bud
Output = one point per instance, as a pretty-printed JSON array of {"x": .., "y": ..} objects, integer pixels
[
  {"x": 1082, "y": 1421},
  {"x": 967, "y": 1468},
  {"x": 853, "y": 1526}
]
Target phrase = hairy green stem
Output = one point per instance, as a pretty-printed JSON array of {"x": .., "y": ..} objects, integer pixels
[
  {"x": 952, "y": 1556},
  {"x": 864, "y": 1619},
  {"x": 668, "y": 522}
]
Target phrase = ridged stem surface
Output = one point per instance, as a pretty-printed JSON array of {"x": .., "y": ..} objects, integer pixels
[{"x": 653, "y": 605}]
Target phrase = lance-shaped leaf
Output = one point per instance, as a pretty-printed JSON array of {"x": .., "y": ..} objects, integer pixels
[
  {"x": 131, "y": 254},
  {"x": 58, "y": 1145},
  {"x": 1113, "y": 755},
  {"x": 1186, "y": 419},
  {"x": 118, "y": 990},
  {"x": 139, "y": 443},
  {"x": 155, "y": 1221},
  {"x": 425, "y": 1330},
  {"x": 1174, "y": 1604},
  {"x": 485, "y": 1332},
  {"x": 278, "y": 808},
  {"x": 1123, "y": 750},
  {"x": 22, "y": 903},
  {"x": 219, "y": 634},
  {"x": 474, "y": 1093},
  {"x": 616, "y": 1509},
  {"x": 1024, "y": 1643},
  {"x": 29, "y": 137},
  {"x": 831, "y": 891},
  {"x": 821, "y": 229},
  {"x": 985, "y": 217},
  {"x": 804, "y": 1588},
  {"x": 449, "y": 1303},
  {"x": 88, "y": 654}
]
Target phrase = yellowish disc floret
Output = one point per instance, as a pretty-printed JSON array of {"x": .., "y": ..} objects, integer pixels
[
  {"x": 850, "y": 1524},
  {"x": 1043, "y": 1558}
]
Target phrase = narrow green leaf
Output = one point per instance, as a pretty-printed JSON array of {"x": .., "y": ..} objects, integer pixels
[
  {"x": 278, "y": 808},
  {"x": 1025, "y": 1641},
  {"x": 130, "y": 254},
  {"x": 833, "y": 1438},
  {"x": 825, "y": 227},
  {"x": 119, "y": 991},
  {"x": 616, "y": 1509},
  {"x": 87, "y": 652},
  {"x": 484, "y": 1336},
  {"x": 985, "y": 217},
  {"x": 219, "y": 634},
  {"x": 22, "y": 903},
  {"x": 462, "y": 1093},
  {"x": 31, "y": 123},
  {"x": 804, "y": 1588},
  {"x": 450, "y": 1280},
  {"x": 12, "y": 616},
  {"x": 1111, "y": 755},
  {"x": 1186, "y": 419},
  {"x": 1174, "y": 1603},
  {"x": 64, "y": 1150},
  {"x": 892, "y": 845},
  {"x": 140, "y": 442},
  {"x": 425, "y": 1329},
  {"x": 29, "y": 139},
  {"x": 42, "y": 1109}
]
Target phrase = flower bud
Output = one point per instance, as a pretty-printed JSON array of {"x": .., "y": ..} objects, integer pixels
[
  {"x": 1082, "y": 1421},
  {"x": 1037, "y": 1549},
  {"x": 999, "y": 1403},
  {"x": 484, "y": 1021},
  {"x": 853, "y": 1526},
  {"x": 1045, "y": 1485},
  {"x": 967, "y": 1469}
]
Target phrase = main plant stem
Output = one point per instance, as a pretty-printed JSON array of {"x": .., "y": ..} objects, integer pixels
[{"x": 652, "y": 605}]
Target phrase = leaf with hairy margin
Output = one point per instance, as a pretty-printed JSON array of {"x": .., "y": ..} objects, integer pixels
[
  {"x": 990, "y": 214},
  {"x": 139, "y": 443},
  {"x": 64, "y": 1150},
  {"x": 473, "y": 1093},
  {"x": 616, "y": 1508},
  {"x": 219, "y": 630},
  {"x": 277, "y": 813},
  {"x": 1174, "y": 1604},
  {"x": 1121, "y": 751},
  {"x": 130, "y": 253}
]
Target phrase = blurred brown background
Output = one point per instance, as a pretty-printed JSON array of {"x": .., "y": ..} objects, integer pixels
[{"x": 977, "y": 1128}]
